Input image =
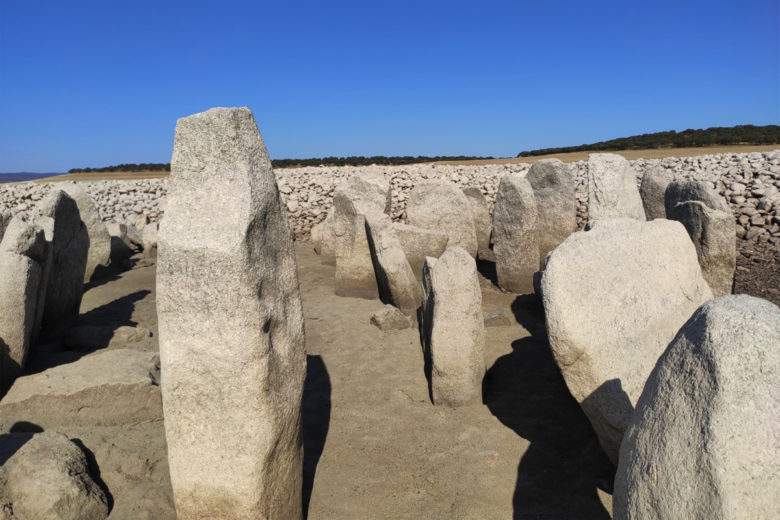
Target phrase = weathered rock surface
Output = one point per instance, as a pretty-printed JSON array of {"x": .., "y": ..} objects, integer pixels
[
  {"x": 395, "y": 279},
  {"x": 483, "y": 222},
  {"x": 713, "y": 233},
  {"x": 613, "y": 298},
  {"x": 442, "y": 206},
  {"x": 105, "y": 388},
  {"x": 652, "y": 189},
  {"x": 22, "y": 263},
  {"x": 99, "y": 254},
  {"x": 46, "y": 477},
  {"x": 354, "y": 269},
  {"x": 230, "y": 326},
  {"x": 703, "y": 442},
  {"x": 515, "y": 237},
  {"x": 390, "y": 318},
  {"x": 612, "y": 189},
  {"x": 683, "y": 191},
  {"x": 90, "y": 337},
  {"x": 556, "y": 204},
  {"x": 149, "y": 239},
  {"x": 419, "y": 243},
  {"x": 453, "y": 328},
  {"x": 5, "y": 218},
  {"x": 69, "y": 245},
  {"x": 324, "y": 239}
]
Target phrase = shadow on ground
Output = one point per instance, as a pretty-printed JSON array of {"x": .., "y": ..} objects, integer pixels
[
  {"x": 315, "y": 420},
  {"x": 559, "y": 474}
]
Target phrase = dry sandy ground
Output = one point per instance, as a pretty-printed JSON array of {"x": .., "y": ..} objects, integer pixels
[{"x": 375, "y": 447}]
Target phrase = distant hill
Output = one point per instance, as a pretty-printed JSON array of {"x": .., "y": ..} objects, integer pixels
[
  {"x": 740, "y": 134},
  {"x": 23, "y": 176}
]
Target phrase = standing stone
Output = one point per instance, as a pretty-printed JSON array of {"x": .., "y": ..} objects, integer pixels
[
  {"x": 99, "y": 255},
  {"x": 5, "y": 218},
  {"x": 230, "y": 326},
  {"x": 354, "y": 269},
  {"x": 324, "y": 240},
  {"x": 22, "y": 262},
  {"x": 653, "y": 191},
  {"x": 614, "y": 296},
  {"x": 149, "y": 237},
  {"x": 443, "y": 206},
  {"x": 515, "y": 239},
  {"x": 69, "y": 243},
  {"x": 453, "y": 328},
  {"x": 612, "y": 190},
  {"x": 418, "y": 243},
  {"x": 683, "y": 191},
  {"x": 714, "y": 235},
  {"x": 483, "y": 225},
  {"x": 396, "y": 281},
  {"x": 703, "y": 441},
  {"x": 556, "y": 202}
]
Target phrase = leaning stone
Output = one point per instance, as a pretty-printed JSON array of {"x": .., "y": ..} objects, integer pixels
[
  {"x": 99, "y": 255},
  {"x": 714, "y": 235},
  {"x": 22, "y": 263},
  {"x": 515, "y": 237},
  {"x": 652, "y": 190},
  {"x": 556, "y": 202},
  {"x": 419, "y": 243},
  {"x": 355, "y": 276},
  {"x": 396, "y": 281},
  {"x": 483, "y": 224},
  {"x": 612, "y": 189},
  {"x": 105, "y": 388},
  {"x": 390, "y": 318},
  {"x": 442, "y": 206},
  {"x": 614, "y": 296},
  {"x": 453, "y": 328},
  {"x": 46, "y": 476},
  {"x": 703, "y": 442},
  {"x": 683, "y": 191},
  {"x": 230, "y": 326},
  {"x": 69, "y": 244}
]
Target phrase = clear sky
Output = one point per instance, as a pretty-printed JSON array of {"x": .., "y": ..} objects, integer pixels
[{"x": 92, "y": 83}]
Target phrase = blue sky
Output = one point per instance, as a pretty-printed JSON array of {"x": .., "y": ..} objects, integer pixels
[{"x": 90, "y": 83}]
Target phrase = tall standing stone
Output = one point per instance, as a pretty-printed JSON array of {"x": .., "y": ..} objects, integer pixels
[
  {"x": 453, "y": 327},
  {"x": 22, "y": 262},
  {"x": 324, "y": 240},
  {"x": 553, "y": 186},
  {"x": 652, "y": 189},
  {"x": 419, "y": 243},
  {"x": 230, "y": 326},
  {"x": 483, "y": 225},
  {"x": 444, "y": 207},
  {"x": 612, "y": 189},
  {"x": 354, "y": 269},
  {"x": 515, "y": 238},
  {"x": 69, "y": 243},
  {"x": 703, "y": 441},
  {"x": 99, "y": 255},
  {"x": 683, "y": 191},
  {"x": 613, "y": 298}
]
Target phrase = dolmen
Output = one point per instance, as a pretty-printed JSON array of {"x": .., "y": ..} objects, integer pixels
[
  {"x": 614, "y": 297},
  {"x": 230, "y": 326}
]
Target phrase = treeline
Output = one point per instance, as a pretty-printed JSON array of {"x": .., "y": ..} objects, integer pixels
[
  {"x": 740, "y": 134},
  {"x": 288, "y": 163}
]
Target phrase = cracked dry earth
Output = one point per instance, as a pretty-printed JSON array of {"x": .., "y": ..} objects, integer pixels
[{"x": 375, "y": 447}]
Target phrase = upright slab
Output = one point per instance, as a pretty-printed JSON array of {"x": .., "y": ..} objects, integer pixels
[
  {"x": 652, "y": 189},
  {"x": 396, "y": 281},
  {"x": 444, "y": 207},
  {"x": 483, "y": 223},
  {"x": 612, "y": 189},
  {"x": 419, "y": 243},
  {"x": 703, "y": 441},
  {"x": 678, "y": 192},
  {"x": 515, "y": 237},
  {"x": 230, "y": 326},
  {"x": 99, "y": 255},
  {"x": 355, "y": 276},
  {"x": 556, "y": 203}
]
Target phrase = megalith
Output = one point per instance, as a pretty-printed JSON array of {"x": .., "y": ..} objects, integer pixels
[
  {"x": 419, "y": 243},
  {"x": 230, "y": 326},
  {"x": 515, "y": 237},
  {"x": 354, "y": 269},
  {"x": 483, "y": 224},
  {"x": 652, "y": 189},
  {"x": 69, "y": 244},
  {"x": 323, "y": 239},
  {"x": 444, "y": 207},
  {"x": 99, "y": 254},
  {"x": 453, "y": 328},
  {"x": 683, "y": 191},
  {"x": 614, "y": 296},
  {"x": 5, "y": 218},
  {"x": 553, "y": 187},
  {"x": 703, "y": 441},
  {"x": 612, "y": 189}
]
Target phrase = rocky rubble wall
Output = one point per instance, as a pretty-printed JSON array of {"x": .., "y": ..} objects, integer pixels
[{"x": 749, "y": 181}]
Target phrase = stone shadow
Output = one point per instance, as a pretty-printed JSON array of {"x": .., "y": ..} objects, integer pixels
[
  {"x": 560, "y": 472},
  {"x": 315, "y": 421}
]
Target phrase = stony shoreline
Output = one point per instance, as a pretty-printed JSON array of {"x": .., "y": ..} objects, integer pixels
[{"x": 750, "y": 182}]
